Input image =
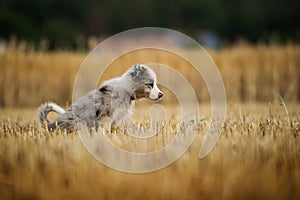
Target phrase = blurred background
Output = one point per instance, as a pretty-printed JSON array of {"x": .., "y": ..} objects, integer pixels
[
  {"x": 255, "y": 44},
  {"x": 70, "y": 23}
]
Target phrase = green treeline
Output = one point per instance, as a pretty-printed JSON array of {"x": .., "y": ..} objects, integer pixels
[{"x": 64, "y": 22}]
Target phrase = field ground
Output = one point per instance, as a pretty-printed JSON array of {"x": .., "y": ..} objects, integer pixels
[{"x": 256, "y": 157}]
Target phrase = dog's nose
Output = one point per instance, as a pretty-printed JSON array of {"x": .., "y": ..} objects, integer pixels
[{"x": 160, "y": 95}]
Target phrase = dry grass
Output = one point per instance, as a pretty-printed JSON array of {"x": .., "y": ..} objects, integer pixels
[
  {"x": 27, "y": 79},
  {"x": 257, "y": 157},
  {"x": 250, "y": 73}
]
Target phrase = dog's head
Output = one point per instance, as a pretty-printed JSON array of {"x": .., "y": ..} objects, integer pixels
[{"x": 145, "y": 79}]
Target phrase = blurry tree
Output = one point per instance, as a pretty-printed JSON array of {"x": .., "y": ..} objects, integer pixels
[{"x": 62, "y": 22}]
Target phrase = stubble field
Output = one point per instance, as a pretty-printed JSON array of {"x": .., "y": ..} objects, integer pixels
[{"x": 256, "y": 157}]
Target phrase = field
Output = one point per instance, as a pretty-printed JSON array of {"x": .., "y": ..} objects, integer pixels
[
  {"x": 256, "y": 157},
  {"x": 250, "y": 74}
]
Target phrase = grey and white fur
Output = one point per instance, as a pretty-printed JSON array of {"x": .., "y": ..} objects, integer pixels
[{"x": 114, "y": 98}]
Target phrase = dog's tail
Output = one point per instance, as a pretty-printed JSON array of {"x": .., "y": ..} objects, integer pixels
[{"x": 44, "y": 110}]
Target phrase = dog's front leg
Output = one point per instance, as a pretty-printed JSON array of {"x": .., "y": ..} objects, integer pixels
[{"x": 93, "y": 126}]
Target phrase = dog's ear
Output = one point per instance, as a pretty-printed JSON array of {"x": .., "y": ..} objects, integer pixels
[{"x": 137, "y": 70}]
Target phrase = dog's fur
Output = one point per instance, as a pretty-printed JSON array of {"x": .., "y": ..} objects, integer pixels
[{"x": 114, "y": 98}]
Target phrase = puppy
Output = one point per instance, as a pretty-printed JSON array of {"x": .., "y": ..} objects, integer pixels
[{"x": 114, "y": 98}]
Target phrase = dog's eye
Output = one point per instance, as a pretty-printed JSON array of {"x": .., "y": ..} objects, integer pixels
[{"x": 150, "y": 84}]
